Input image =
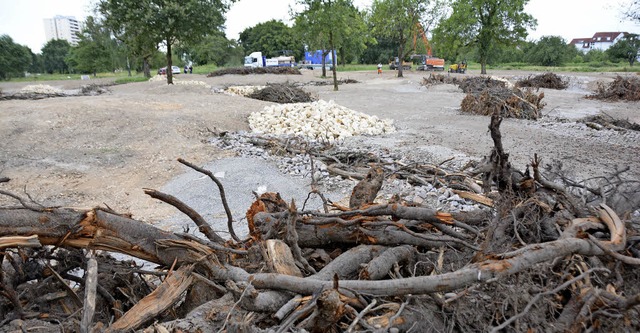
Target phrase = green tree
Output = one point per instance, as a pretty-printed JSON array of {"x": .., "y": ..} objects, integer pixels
[
  {"x": 96, "y": 50},
  {"x": 596, "y": 56},
  {"x": 379, "y": 51},
  {"x": 15, "y": 59},
  {"x": 54, "y": 53},
  {"x": 330, "y": 25},
  {"x": 214, "y": 48},
  {"x": 37, "y": 65},
  {"x": 151, "y": 22},
  {"x": 550, "y": 51},
  {"x": 485, "y": 25},
  {"x": 271, "y": 38},
  {"x": 627, "y": 49},
  {"x": 398, "y": 21}
]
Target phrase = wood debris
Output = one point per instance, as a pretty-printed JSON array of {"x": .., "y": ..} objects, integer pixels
[
  {"x": 255, "y": 70},
  {"x": 539, "y": 256},
  {"x": 547, "y": 80},
  {"x": 625, "y": 88}
]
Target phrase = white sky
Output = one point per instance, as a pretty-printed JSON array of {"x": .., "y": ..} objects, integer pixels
[{"x": 22, "y": 19}]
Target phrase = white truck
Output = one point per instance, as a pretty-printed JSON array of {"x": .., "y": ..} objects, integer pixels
[{"x": 256, "y": 59}]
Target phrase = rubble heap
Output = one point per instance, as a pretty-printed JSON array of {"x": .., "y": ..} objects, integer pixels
[{"x": 321, "y": 120}]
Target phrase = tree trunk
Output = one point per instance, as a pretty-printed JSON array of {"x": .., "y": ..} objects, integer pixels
[
  {"x": 145, "y": 66},
  {"x": 333, "y": 62},
  {"x": 169, "y": 71},
  {"x": 400, "y": 52},
  {"x": 324, "y": 63}
]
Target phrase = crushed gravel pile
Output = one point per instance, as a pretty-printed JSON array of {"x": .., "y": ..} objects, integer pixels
[
  {"x": 176, "y": 80},
  {"x": 41, "y": 89},
  {"x": 252, "y": 145},
  {"x": 242, "y": 90},
  {"x": 321, "y": 121}
]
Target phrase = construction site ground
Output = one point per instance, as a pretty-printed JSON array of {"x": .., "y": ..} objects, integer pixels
[{"x": 103, "y": 150}]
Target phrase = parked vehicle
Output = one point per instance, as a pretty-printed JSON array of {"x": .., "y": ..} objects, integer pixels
[
  {"x": 256, "y": 59},
  {"x": 174, "y": 70},
  {"x": 458, "y": 68},
  {"x": 425, "y": 62},
  {"x": 313, "y": 60},
  {"x": 428, "y": 63},
  {"x": 395, "y": 64}
]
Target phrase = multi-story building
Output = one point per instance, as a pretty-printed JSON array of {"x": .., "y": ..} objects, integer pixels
[
  {"x": 599, "y": 41},
  {"x": 63, "y": 27}
]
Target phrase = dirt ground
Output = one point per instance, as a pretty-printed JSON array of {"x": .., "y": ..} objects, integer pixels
[{"x": 94, "y": 150}]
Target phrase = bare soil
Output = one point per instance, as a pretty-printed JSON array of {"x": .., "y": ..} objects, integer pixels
[{"x": 93, "y": 150}]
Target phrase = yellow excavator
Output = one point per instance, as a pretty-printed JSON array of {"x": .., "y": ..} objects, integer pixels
[{"x": 460, "y": 67}]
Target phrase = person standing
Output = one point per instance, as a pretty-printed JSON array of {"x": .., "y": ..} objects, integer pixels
[{"x": 379, "y": 68}]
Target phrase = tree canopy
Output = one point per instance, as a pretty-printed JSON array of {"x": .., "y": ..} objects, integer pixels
[
  {"x": 627, "y": 49},
  {"x": 54, "y": 54},
  {"x": 151, "y": 22},
  {"x": 485, "y": 25},
  {"x": 550, "y": 51},
  {"x": 15, "y": 59},
  {"x": 331, "y": 25},
  {"x": 398, "y": 20},
  {"x": 96, "y": 50},
  {"x": 272, "y": 38}
]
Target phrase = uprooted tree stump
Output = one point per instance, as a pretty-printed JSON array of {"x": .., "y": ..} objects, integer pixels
[
  {"x": 512, "y": 103},
  {"x": 622, "y": 88},
  {"x": 536, "y": 258},
  {"x": 547, "y": 80},
  {"x": 282, "y": 93}
]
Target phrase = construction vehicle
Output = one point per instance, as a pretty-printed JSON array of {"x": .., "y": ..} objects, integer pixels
[
  {"x": 395, "y": 64},
  {"x": 460, "y": 67},
  {"x": 256, "y": 59},
  {"x": 426, "y": 62}
]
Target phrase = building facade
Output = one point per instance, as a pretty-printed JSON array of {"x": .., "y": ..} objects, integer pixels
[
  {"x": 63, "y": 27},
  {"x": 600, "y": 41}
]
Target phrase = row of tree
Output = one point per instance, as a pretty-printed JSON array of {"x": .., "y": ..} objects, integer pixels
[{"x": 127, "y": 34}]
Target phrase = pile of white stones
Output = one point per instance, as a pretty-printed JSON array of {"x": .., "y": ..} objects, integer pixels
[
  {"x": 41, "y": 89},
  {"x": 320, "y": 121},
  {"x": 242, "y": 90}
]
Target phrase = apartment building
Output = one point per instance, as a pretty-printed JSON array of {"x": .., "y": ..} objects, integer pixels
[{"x": 62, "y": 27}]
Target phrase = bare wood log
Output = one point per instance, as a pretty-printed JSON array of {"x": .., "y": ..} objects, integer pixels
[
  {"x": 343, "y": 173},
  {"x": 90, "y": 288},
  {"x": 167, "y": 294},
  {"x": 279, "y": 254},
  {"x": 91, "y": 229},
  {"x": 252, "y": 299},
  {"x": 367, "y": 189},
  {"x": 475, "y": 197},
  {"x": 482, "y": 272},
  {"x": 19, "y": 241},
  {"x": 380, "y": 266},
  {"x": 348, "y": 227},
  {"x": 347, "y": 264}
]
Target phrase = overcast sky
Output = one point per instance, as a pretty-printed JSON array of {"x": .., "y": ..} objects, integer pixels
[{"x": 22, "y": 19}]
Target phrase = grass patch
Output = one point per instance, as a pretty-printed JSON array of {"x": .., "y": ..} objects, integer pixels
[{"x": 130, "y": 79}]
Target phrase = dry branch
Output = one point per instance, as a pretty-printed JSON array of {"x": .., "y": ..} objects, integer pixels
[{"x": 167, "y": 294}]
